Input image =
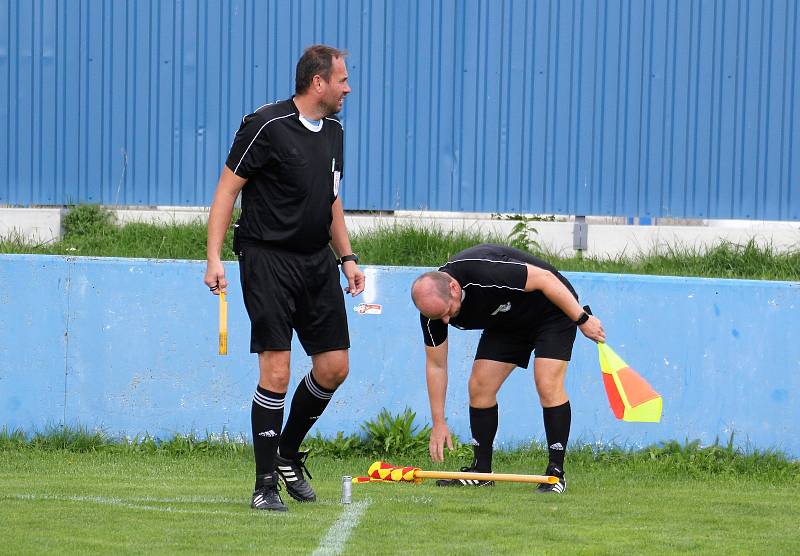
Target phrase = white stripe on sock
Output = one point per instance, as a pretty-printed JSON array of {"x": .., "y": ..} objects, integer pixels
[
  {"x": 314, "y": 389},
  {"x": 267, "y": 402}
]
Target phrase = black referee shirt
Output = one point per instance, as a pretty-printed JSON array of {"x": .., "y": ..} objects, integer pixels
[
  {"x": 291, "y": 174},
  {"x": 492, "y": 279}
]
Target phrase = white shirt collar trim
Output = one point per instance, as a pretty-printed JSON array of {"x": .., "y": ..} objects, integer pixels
[{"x": 310, "y": 125}]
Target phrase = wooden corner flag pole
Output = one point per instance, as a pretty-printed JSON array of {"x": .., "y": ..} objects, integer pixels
[
  {"x": 472, "y": 475},
  {"x": 381, "y": 471}
]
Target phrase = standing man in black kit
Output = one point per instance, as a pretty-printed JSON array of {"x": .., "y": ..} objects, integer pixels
[
  {"x": 523, "y": 305},
  {"x": 287, "y": 161}
]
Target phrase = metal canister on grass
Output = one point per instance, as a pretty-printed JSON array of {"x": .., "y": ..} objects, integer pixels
[{"x": 347, "y": 489}]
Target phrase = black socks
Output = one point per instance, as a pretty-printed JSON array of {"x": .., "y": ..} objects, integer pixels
[
  {"x": 309, "y": 401},
  {"x": 483, "y": 424},
  {"x": 556, "y": 427},
  {"x": 266, "y": 416}
]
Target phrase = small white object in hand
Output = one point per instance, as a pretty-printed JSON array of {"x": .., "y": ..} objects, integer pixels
[{"x": 368, "y": 309}]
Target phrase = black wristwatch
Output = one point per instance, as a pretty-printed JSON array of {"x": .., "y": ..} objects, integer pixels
[
  {"x": 352, "y": 257},
  {"x": 584, "y": 316}
]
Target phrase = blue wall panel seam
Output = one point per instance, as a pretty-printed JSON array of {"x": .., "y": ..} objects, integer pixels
[
  {"x": 744, "y": 103},
  {"x": 759, "y": 106},
  {"x": 714, "y": 115},
  {"x": 768, "y": 102},
  {"x": 795, "y": 131}
]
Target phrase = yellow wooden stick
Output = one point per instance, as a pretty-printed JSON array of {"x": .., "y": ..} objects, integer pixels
[
  {"x": 467, "y": 475},
  {"x": 223, "y": 324}
]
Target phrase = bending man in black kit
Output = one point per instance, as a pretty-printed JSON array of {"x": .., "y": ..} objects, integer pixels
[
  {"x": 523, "y": 305},
  {"x": 287, "y": 161}
]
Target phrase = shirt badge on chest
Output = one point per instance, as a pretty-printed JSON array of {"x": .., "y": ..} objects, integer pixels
[{"x": 504, "y": 308}]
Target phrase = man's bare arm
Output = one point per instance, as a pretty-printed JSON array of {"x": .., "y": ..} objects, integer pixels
[
  {"x": 219, "y": 218},
  {"x": 340, "y": 241},
  {"x": 554, "y": 290},
  {"x": 436, "y": 377}
]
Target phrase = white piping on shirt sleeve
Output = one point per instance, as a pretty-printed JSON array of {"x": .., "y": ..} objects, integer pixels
[
  {"x": 337, "y": 121},
  {"x": 256, "y": 137},
  {"x": 431, "y": 333}
]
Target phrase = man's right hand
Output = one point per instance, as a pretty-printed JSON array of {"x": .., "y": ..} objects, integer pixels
[
  {"x": 593, "y": 329},
  {"x": 440, "y": 435},
  {"x": 215, "y": 277}
]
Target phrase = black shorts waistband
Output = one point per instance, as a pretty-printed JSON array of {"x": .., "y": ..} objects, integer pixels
[{"x": 242, "y": 242}]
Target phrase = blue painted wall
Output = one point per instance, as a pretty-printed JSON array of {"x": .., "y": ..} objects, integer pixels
[
  {"x": 681, "y": 108},
  {"x": 130, "y": 346}
]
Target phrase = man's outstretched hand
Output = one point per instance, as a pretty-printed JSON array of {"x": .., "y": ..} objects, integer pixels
[
  {"x": 593, "y": 329},
  {"x": 440, "y": 436}
]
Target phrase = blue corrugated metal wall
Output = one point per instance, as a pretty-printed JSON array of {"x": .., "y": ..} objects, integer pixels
[{"x": 665, "y": 108}]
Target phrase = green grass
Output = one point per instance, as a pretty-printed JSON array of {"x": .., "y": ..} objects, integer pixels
[
  {"x": 725, "y": 260},
  {"x": 79, "y": 492},
  {"x": 90, "y": 231},
  {"x": 402, "y": 244}
]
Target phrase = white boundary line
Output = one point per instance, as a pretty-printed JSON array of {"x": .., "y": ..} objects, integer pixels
[
  {"x": 133, "y": 505},
  {"x": 331, "y": 544},
  {"x": 334, "y": 540}
]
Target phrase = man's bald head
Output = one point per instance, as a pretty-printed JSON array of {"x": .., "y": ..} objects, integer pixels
[{"x": 431, "y": 293}]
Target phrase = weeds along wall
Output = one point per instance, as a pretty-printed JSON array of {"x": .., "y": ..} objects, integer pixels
[{"x": 130, "y": 346}]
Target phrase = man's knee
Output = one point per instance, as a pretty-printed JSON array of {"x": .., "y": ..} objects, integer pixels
[
  {"x": 482, "y": 393},
  {"x": 274, "y": 370},
  {"x": 331, "y": 369},
  {"x": 331, "y": 377},
  {"x": 551, "y": 391},
  {"x": 477, "y": 386},
  {"x": 549, "y": 374}
]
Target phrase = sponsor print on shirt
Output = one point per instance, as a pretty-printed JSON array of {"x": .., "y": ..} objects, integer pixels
[{"x": 504, "y": 308}]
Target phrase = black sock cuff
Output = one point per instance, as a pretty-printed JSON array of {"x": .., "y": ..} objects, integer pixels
[
  {"x": 315, "y": 389},
  {"x": 269, "y": 393},
  {"x": 269, "y": 400},
  {"x": 480, "y": 411},
  {"x": 557, "y": 410}
]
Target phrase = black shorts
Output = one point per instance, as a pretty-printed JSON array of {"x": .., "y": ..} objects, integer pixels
[
  {"x": 284, "y": 290},
  {"x": 552, "y": 338}
]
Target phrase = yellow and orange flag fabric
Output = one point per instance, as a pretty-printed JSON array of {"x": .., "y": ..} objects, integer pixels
[
  {"x": 381, "y": 471},
  {"x": 630, "y": 396}
]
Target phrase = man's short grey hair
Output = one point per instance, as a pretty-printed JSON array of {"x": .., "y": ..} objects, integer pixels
[{"x": 440, "y": 282}]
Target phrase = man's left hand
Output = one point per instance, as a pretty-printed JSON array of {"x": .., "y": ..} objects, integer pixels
[{"x": 355, "y": 278}]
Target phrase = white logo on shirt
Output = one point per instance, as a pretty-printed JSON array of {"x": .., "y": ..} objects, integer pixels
[
  {"x": 337, "y": 176},
  {"x": 504, "y": 308}
]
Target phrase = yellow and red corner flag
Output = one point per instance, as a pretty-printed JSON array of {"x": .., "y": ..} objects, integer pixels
[{"x": 630, "y": 396}]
